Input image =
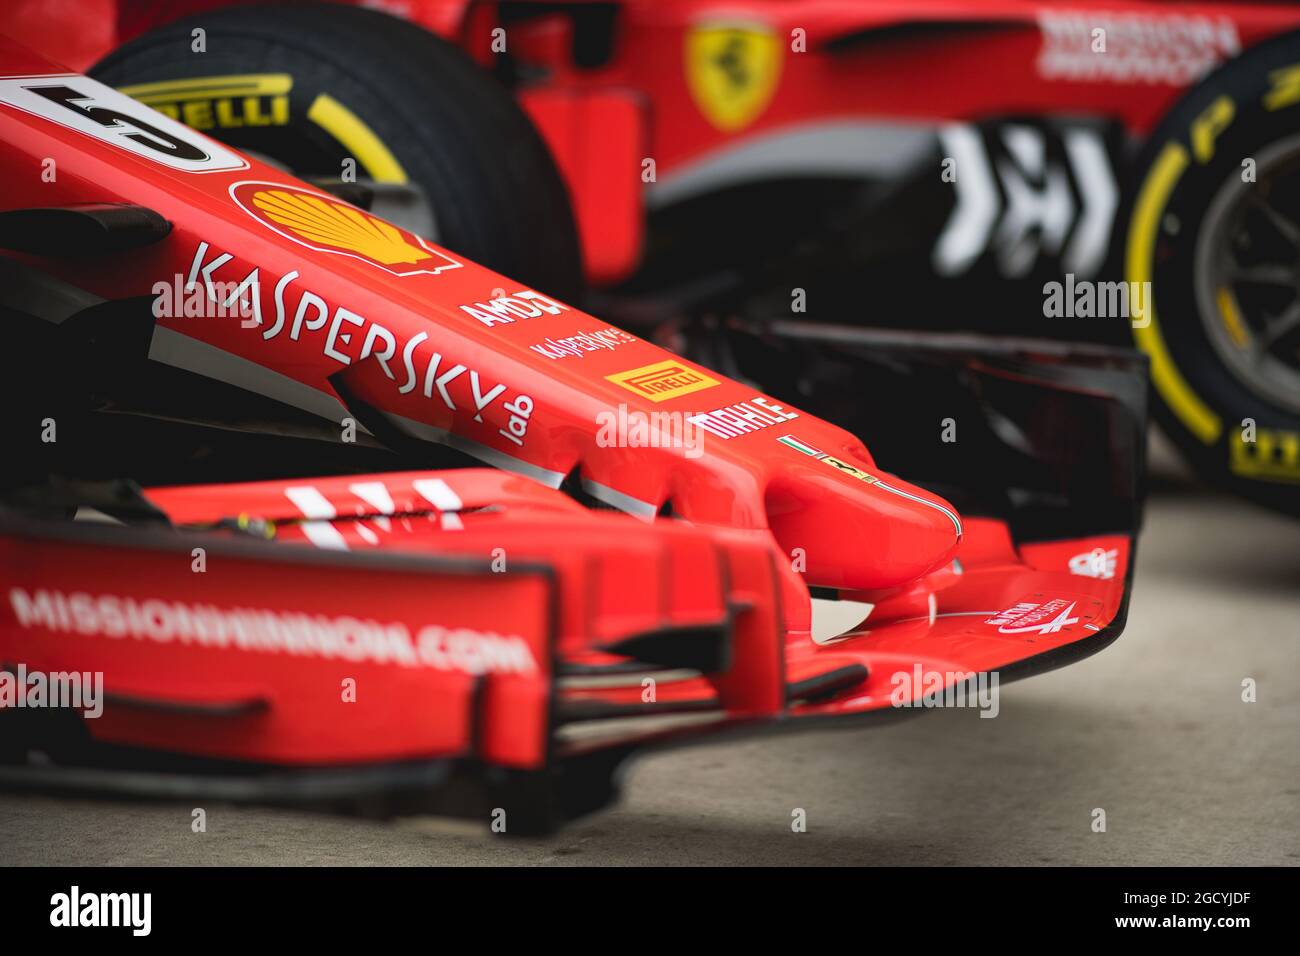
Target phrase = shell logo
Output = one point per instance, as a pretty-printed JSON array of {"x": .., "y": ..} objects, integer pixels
[{"x": 330, "y": 225}]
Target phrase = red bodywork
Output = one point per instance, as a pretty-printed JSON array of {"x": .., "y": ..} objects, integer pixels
[
  {"x": 344, "y": 309},
  {"x": 911, "y": 61}
]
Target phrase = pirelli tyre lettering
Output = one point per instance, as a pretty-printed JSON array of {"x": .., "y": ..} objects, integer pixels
[{"x": 332, "y": 92}]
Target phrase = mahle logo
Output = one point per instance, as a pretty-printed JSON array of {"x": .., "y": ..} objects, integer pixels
[
  {"x": 331, "y": 225},
  {"x": 663, "y": 380}
]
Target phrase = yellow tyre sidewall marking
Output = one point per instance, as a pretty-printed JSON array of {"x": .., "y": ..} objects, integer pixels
[
  {"x": 1274, "y": 455},
  {"x": 1231, "y": 317},
  {"x": 230, "y": 101},
  {"x": 242, "y": 84},
  {"x": 1194, "y": 414},
  {"x": 357, "y": 138},
  {"x": 1284, "y": 90}
]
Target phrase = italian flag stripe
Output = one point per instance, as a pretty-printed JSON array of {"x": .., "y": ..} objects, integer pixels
[{"x": 797, "y": 445}]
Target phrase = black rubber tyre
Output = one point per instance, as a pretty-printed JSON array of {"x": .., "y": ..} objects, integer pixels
[
  {"x": 1193, "y": 166},
  {"x": 309, "y": 87}
]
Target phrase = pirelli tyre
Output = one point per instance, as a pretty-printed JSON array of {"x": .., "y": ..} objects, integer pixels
[
  {"x": 1215, "y": 230},
  {"x": 312, "y": 87}
]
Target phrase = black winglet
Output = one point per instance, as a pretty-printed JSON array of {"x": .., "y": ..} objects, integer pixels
[
  {"x": 704, "y": 649},
  {"x": 89, "y": 229},
  {"x": 822, "y": 686}
]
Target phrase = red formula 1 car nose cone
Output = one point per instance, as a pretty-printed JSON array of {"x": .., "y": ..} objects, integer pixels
[{"x": 859, "y": 527}]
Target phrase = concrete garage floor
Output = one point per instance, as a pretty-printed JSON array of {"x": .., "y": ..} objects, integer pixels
[{"x": 1152, "y": 729}]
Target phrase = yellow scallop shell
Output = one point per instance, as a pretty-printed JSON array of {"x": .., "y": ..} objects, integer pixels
[{"x": 337, "y": 225}]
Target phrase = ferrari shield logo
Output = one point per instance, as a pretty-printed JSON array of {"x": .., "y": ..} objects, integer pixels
[{"x": 732, "y": 72}]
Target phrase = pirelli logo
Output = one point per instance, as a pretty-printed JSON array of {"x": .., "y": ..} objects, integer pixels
[
  {"x": 220, "y": 102},
  {"x": 662, "y": 380}
]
